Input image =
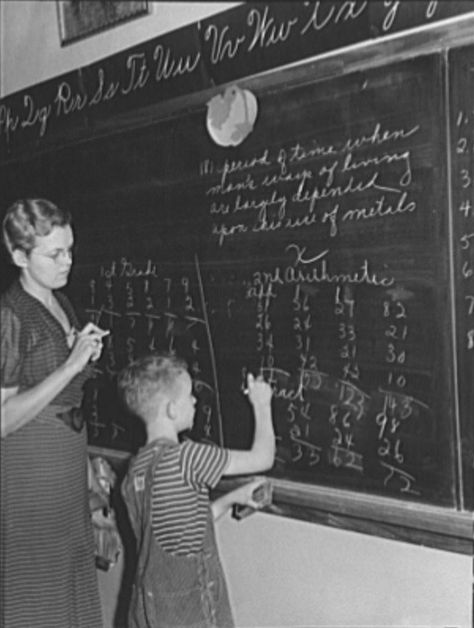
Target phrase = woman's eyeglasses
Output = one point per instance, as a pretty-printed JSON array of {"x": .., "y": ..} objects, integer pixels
[{"x": 57, "y": 255}]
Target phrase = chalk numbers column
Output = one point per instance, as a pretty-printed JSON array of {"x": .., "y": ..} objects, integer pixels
[
  {"x": 464, "y": 185},
  {"x": 397, "y": 406},
  {"x": 350, "y": 406},
  {"x": 299, "y": 414}
]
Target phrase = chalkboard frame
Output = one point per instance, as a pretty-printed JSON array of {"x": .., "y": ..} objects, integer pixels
[
  {"x": 437, "y": 527},
  {"x": 393, "y": 519}
]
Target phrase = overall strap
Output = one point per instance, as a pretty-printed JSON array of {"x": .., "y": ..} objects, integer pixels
[
  {"x": 143, "y": 498},
  {"x": 158, "y": 450}
]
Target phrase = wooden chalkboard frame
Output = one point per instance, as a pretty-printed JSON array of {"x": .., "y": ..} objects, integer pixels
[{"x": 390, "y": 518}]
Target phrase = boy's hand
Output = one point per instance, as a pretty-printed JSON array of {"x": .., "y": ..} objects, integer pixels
[
  {"x": 259, "y": 392},
  {"x": 244, "y": 500},
  {"x": 244, "y": 495}
]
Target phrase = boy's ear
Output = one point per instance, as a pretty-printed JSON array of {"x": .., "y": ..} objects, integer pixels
[{"x": 171, "y": 409}]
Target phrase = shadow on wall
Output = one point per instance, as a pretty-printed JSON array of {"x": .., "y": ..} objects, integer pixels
[
  {"x": 129, "y": 560},
  {"x": 115, "y": 585}
]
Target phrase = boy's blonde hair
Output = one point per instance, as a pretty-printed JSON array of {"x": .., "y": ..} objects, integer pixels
[{"x": 142, "y": 381}]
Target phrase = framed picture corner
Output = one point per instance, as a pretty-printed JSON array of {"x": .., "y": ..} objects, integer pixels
[{"x": 78, "y": 19}]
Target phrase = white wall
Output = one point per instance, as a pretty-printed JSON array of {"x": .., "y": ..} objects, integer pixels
[
  {"x": 281, "y": 572},
  {"x": 30, "y": 50},
  {"x": 287, "y": 573}
]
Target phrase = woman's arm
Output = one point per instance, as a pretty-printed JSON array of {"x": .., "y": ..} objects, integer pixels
[{"x": 18, "y": 408}]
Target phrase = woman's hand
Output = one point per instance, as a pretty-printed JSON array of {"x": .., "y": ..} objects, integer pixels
[{"x": 87, "y": 347}]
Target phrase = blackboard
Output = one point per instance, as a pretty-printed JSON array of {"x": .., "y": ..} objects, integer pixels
[{"x": 319, "y": 251}]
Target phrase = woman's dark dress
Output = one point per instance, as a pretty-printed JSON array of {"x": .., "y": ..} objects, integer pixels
[{"x": 48, "y": 577}]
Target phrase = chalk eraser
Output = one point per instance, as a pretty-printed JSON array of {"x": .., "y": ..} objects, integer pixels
[{"x": 262, "y": 495}]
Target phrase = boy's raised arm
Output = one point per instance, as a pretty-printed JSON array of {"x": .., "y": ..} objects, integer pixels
[{"x": 262, "y": 453}]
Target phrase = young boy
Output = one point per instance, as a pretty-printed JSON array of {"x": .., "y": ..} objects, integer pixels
[{"x": 179, "y": 580}]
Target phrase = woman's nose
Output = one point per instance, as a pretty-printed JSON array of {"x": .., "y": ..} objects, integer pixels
[{"x": 66, "y": 256}]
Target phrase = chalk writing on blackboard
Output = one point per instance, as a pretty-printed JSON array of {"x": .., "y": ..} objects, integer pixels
[
  {"x": 297, "y": 275},
  {"x": 318, "y": 252},
  {"x": 219, "y": 49},
  {"x": 464, "y": 178},
  {"x": 339, "y": 174},
  {"x": 148, "y": 311}
]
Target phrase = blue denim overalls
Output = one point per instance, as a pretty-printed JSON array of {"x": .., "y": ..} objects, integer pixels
[{"x": 172, "y": 591}]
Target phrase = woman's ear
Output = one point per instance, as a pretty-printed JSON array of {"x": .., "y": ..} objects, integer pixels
[{"x": 19, "y": 258}]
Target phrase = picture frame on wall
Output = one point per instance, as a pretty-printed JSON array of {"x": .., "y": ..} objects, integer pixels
[{"x": 82, "y": 18}]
